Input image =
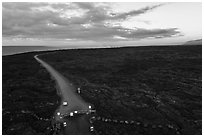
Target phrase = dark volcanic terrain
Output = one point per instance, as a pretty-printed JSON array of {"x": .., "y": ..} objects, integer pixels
[
  {"x": 28, "y": 94},
  {"x": 138, "y": 90},
  {"x": 135, "y": 90}
]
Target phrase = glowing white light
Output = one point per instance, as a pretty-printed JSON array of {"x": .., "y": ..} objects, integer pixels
[
  {"x": 65, "y": 103},
  {"x": 71, "y": 114},
  {"x": 58, "y": 113},
  {"x": 65, "y": 124},
  {"x": 78, "y": 90},
  {"x": 75, "y": 112},
  {"x": 92, "y": 128},
  {"x": 89, "y": 107}
]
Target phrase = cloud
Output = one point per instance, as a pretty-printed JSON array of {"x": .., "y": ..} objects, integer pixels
[
  {"x": 154, "y": 33},
  {"x": 85, "y": 5},
  {"x": 87, "y": 22},
  {"x": 124, "y": 16}
]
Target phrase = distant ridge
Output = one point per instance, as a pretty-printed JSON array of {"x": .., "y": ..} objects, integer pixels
[
  {"x": 10, "y": 50},
  {"x": 194, "y": 42}
]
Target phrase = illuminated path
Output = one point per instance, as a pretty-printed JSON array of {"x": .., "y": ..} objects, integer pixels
[
  {"x": 78, "y": 124},
  {"x": 73, "y": 118}
]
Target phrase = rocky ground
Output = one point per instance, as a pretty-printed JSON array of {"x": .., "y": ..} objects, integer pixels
[
  {"x": 159, "y": 89},
  {"x": 28, "y": 95}
]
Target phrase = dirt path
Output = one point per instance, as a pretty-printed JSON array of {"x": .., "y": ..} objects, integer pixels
[{"x": 75, "y": 105}]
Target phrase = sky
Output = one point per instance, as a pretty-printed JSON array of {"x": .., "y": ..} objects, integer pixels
[{"x": 100, "y": 24}]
